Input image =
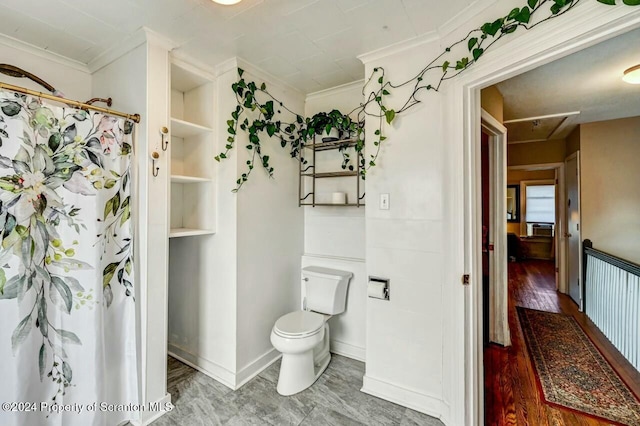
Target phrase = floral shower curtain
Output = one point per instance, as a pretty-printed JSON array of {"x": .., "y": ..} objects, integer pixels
[{"x": 67, "y": 309}]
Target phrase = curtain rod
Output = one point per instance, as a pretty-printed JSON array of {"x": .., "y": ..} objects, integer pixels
[{"x": 133, "y": 117}]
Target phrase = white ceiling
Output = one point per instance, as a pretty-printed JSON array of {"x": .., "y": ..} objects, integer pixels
[
  {"x": 589, "y": 81},
  {"x": 310, "y": 44}
]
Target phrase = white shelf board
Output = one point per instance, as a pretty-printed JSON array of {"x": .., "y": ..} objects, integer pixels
[
  {"x": 184, "y": 129},
  {"x": 188, "y": 232},
  {"x": 188, "y": 179}
]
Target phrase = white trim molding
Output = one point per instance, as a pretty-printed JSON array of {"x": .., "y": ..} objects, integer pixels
[
  {"x": 348, "y": 350},
  {"x": 396, "y": 48},
  {"x": 359, "y": 84},
  {"x": 589, "y": 23},
  {"x": 147, "y": 417},
  {"x": 409, "y": 398},
  {"x": 221, "y": 374},
  {"x": 42, "y": 53},
  {"x": 256, "y": 367},
  {"x": 203, "y": 365}
]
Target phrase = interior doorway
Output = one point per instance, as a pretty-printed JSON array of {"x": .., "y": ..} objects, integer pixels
[{"x": 567, "y": 221}]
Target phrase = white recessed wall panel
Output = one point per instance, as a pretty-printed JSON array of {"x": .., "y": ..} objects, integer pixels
[
  {"x": 334, "y": 231},
  {"x": 406, "y": 244}
]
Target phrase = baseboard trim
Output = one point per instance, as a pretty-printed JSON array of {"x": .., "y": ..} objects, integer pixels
[
  {"x": 256, "y": 367},
  {"x": 409, "y": 398},
  {"x": 203, "y": 365},
  {"x": 348, "y": 350},
  {"x": 148, "y": 417}
]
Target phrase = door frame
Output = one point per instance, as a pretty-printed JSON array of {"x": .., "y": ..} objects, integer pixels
[
  {"x": 575, "y": 155},
  {"x": 498, "y": 290},
  {"x": 590, "y": 23}
]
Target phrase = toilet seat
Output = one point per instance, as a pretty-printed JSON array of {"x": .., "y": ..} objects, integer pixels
[{"x": 299, "y": 324}]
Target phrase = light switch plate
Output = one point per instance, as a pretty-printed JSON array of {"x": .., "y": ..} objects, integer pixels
[{"x": 384, "y": 201}]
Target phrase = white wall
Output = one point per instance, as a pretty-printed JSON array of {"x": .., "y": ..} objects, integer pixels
[
  {"x": 334, "y": 237},
  {"x": 406, "y": 244},
  {"x": 270, "y": 241},
  {"x": 71, "y": 79},
  {"x": 138, "y": 83},
  {"x": 609, "y": 191}
]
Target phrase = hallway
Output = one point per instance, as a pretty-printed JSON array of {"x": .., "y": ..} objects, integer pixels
[{"x": 511, "y": 394}]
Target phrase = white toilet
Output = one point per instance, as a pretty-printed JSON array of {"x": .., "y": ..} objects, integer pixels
[{"x": 303, "y": 336}]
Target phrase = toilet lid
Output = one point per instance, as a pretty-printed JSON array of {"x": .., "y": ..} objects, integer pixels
[{"x": 299, "y": 323}]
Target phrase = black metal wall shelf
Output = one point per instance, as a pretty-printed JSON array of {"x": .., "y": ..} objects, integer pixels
[{"x": 313, "y": 174}]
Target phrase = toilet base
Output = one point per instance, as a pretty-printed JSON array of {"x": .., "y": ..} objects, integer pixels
[{"x": 299, "y": 371}]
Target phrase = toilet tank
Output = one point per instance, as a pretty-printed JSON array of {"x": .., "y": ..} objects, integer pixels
[{"x": 325, "y": 289}]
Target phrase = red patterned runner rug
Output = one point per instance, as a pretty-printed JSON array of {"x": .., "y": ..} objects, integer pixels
[{"x": 572, "y": 373}]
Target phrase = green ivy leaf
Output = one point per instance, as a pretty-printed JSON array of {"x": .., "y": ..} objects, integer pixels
[
  {"x": 532, "y": 3},
  {"x": 477, "y": 53},
  {"x": 631, "y": 2},
  {"x": 389, "y": 115},
  {"x": 263, "y": 86},
  {"x": 380, "y": 80},
  {"x": 445, "y": 66},
  {"x": 472, "y": 42},
  {"x": 524, "y": 16},
  {"x": 462, "y": 63},
  {"x": 240, "y": 72},
  {"x": 513, "y": 13}
]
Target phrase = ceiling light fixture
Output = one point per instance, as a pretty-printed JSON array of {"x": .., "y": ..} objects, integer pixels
[
  {"x": 632, "y": 75},
  {"x": 227, "y": 2}
]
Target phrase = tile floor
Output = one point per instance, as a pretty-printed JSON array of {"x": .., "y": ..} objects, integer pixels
[{"x": 335, "y": 399}]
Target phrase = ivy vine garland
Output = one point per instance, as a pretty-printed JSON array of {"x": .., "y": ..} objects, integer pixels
[{"x": 261, "y": 118}]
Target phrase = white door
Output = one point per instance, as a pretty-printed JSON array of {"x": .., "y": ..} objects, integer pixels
[{"x": 572, "y": 234}]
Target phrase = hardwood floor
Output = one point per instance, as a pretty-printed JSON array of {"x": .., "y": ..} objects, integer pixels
[{"x": 511, "y": 395}]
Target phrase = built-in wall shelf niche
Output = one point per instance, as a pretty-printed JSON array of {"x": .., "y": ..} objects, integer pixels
[{"x": 192, "y": 149}]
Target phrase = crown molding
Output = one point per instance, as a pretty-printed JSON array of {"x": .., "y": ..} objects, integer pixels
[
  {"x": 42, "y": 53},
  {"x": 401, "y": 46},
  {"x": 141, "y": 36},
  {"x": 359, "y": 84},
  {"x": 466, "y": 15},
  {"x": 188, "y": 63},
  {"x": 224, "y": 67},
  {"x": 237, "y": 62}
]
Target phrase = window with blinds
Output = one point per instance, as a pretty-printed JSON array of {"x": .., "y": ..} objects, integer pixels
[{"x": 540, "y": 213}]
